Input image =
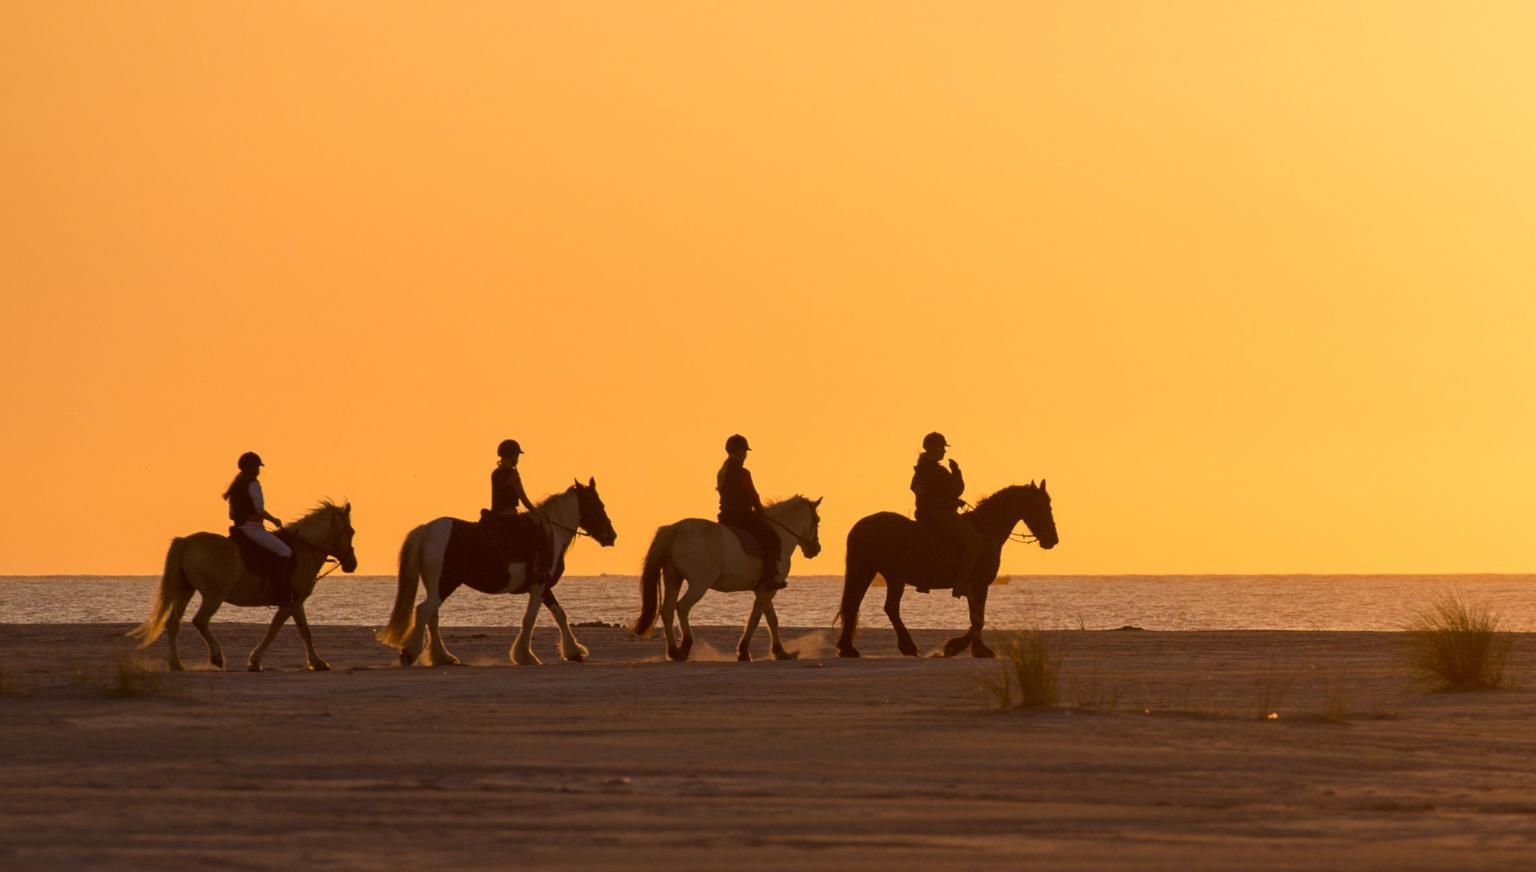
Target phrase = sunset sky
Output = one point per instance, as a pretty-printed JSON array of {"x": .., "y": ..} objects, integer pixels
[{"x": 1252, "y": 284}]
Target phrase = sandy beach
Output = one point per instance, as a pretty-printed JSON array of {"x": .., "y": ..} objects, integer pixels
[{"x": 1160, "y": 759}]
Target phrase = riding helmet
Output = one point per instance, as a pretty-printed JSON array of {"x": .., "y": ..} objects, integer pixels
[
  {"x": 737, "y": 442},
  {"x": 509, "y": 448},
  {"x": 934, "y": 440},
  {"x": 250, "y": 461}
]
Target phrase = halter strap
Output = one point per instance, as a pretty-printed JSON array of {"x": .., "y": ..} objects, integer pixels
[{"x": 785, "y": 527}]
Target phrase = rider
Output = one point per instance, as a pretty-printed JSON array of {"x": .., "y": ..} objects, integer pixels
[
  {"x": 741, "y": 507},
  {"x": 938, "y": 493},
  {"x": 247, "y": 510},
  {"x": 507, "y": 495}
]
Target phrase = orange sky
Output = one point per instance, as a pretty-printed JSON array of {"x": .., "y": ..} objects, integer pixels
[{"x": 1251, "y": 284}]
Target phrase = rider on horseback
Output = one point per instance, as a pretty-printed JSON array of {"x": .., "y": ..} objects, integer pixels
[
  {"x": 740, "y": 507},
  {"x": 247, "y": 511},
  {"x": 507, "y": 495},
  {"x": 938, "y": 493}
]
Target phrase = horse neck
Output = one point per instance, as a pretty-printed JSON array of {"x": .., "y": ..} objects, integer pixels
[
  {"x": 311, "y": 527},
  {"x": 562, "y": 508},
  {"x": 1000, "y": 514},
  {"x": 787, "y": 513}
]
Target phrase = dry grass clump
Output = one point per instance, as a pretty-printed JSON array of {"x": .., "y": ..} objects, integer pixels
[
  {"x": 1027, "y": 673},
  {"x": 130, "y": 678},
  {"x": 1457, "y": 645}
]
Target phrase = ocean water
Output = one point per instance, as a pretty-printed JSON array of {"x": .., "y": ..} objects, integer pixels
[{"x": 1172, "y": 602}]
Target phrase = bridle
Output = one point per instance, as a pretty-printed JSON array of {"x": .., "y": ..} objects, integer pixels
[{"x": 785, "y": 527}]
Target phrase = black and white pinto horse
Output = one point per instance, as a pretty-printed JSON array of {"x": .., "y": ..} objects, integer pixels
[
  {"x": 709, "y": 556},
  {"x": 892, "y": 546},
  {"x": 425, "y": 553}
]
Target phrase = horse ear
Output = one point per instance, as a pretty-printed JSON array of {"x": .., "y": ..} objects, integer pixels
[
  {"x": 576, "y": 482},
  {"x": 817, "y": 502},
  {"x": 592, "y": 482},
  {"x": 1042, "y": 485},
  {"x": 1031, "y": 482}
]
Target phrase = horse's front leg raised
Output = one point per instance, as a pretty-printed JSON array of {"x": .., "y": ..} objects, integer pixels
[
  {"x": 311, "y": 658},
  {"x": 744, "y": 647},
  {"x": 570, "y": 649},
  {"x": 893, "y": 592},
  {"x": 779, "y": 653},
  {"x": 280, "y": 617},
  {"x": 205, "y": 611},
  {"x": 522, "y": 647}
]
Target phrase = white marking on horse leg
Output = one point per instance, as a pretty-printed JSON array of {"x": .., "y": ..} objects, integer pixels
[
  {"x": 205, "y": 611},
  {"x": 522, "y": 647},
  {"x": 279, "y": 618},
  {"x": 312, "y": 657},
  {"x": 570, "y": 648},
  {"x": 440, "y": 655}
]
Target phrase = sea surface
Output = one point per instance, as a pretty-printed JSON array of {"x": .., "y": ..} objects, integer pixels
[{"x": 1169, "y": 602}]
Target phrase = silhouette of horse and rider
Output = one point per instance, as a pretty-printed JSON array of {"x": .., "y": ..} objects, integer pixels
[{"x": 509, "y": 551}]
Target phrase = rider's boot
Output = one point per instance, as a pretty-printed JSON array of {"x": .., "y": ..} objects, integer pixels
[{"x": 771, "y": 579}]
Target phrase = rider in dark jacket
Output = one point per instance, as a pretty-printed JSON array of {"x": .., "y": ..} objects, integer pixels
[
  {"x": 740, "y": 507},
  {"x": 507, "y": 495},
  {"x": 938, "y": 493}
]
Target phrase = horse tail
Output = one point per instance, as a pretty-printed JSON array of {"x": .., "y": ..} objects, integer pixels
[
  {"x": 171, "y": 581},
  {"x": 650, "y": 579},
  {"x": 394, "y": 633}
]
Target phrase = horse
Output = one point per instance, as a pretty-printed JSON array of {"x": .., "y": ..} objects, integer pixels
[
  {"x": 422, "y": 556},
  {"x": 210, "y": 564},
  {"x": 890, "y": 545},
  {"x": 709, "y": 557}
]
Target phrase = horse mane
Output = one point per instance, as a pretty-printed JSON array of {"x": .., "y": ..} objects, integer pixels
[
  {"x": 771, "y": 503},
  {"x": 303, "y": 525},
  {"x": 1008, "y": 491}
]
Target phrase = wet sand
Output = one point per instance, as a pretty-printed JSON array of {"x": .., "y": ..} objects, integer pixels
[{"x": 885, "y": 762}]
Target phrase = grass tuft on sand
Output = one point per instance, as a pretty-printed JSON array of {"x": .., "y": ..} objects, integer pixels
[
  {"x": 1456, "y": 644},
  {"x": 1026, "y": 675},
  {"x": 129, "y": 678}
]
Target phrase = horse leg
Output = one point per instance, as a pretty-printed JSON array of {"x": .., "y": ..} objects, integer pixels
[
  {"x": 744, "y": 647},
  {"x": 856, "y": 582},
  {"x": 696, "y": 590},
  {"x": 522, "y": 647},
  {"x": 570, "y": 648},
  {"x": 440, "y": 655},
  {"x": 311, "y": 658},
  {"x": 205, "y": 611},
  {"x": 893, "y": 592},
  {"x": 670, "y": 585},
  {"x": 280, "y": 617},
  {"x": 173, "y": 628},
  {"x": 978, "y": 620},
  {"x": 779, "y": 653}
]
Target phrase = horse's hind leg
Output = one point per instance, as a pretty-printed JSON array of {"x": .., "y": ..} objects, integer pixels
[
  {"x": 670, "y": 584},
  {"x": 570, "y": 649},
  {"x": 205, "y": 610},
  {"x": 278, "y": 619},
  {"x": 439, "y": 649},
  {"x": 744, "y": 647},
  {"x": 856, "y": 582},
  {"x": 173, "y": 628},
  {"x": 312, "y": 659},
  {"x": 696, "y": 591},
  {"x": 978, "y": 620},
  {"x": 893, "y": 591},
  {"x": 779, "y": 653}
]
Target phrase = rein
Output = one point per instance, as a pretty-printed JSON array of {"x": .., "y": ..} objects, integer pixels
[
  {"x": 785, "y": 527},
  {"x": 553, "y": 523}
]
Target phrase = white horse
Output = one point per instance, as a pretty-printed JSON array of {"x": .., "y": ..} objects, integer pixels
[
  {"x": 561, "y": 516},
  {"x": 710, "y": 556}
]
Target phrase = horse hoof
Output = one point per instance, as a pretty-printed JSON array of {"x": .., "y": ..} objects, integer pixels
[
  {"x": 744, "y": 656},
  {"x": 954, "y": 646},
  {"x": 677, "y": 655},
  {"x": 575, "y": 658},
  {"x": 781, "y": 654},
  {"x": 253, "y": 667},
  {"x": 406, "y": 659},
  {"x": 848, "y": 652},
  {"x": 175, "y": 666},
  {"x": 319, "y": 666},
  {"x": 908, "y": 649},
  {"x": 982, "y": 651}
]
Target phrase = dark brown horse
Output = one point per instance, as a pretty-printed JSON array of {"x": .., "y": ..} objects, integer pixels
[{"x": 893, "y": 547}]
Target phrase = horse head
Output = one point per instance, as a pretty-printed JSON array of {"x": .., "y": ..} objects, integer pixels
[
  {"x": 593, "y": 516},
  {"x": 329, "y": 529},
  {"x": 810, "y": 540},
  {"x": 1035, "y": 512}
]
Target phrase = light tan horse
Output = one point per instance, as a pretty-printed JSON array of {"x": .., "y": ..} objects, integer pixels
[{"x": 210, "y": 564}]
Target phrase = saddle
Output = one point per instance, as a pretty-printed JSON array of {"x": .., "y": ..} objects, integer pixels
[
  {"x": 276, "y": 589},
  {"x": 749, "y": 542}
]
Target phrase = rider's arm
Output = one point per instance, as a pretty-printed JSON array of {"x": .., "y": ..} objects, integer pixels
[
  {"x": 746, "y": 479},
  {"x": 258, "y": 499},
  {"x": 522, "y": 494}
]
